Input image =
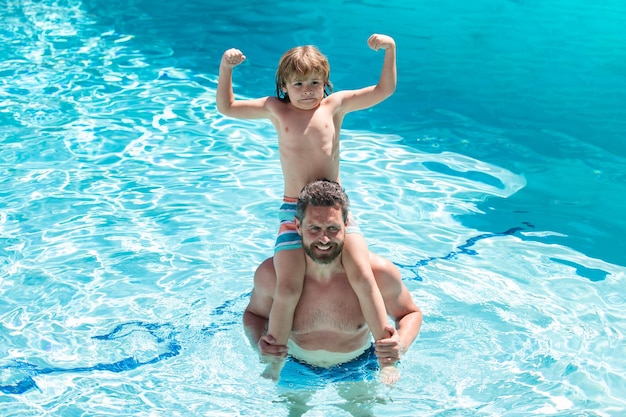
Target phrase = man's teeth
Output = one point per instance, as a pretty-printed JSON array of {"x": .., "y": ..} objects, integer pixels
[{"x": 323, "y": 247}]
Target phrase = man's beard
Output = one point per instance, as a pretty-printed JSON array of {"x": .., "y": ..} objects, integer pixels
[{"x": 325, "y": 258}]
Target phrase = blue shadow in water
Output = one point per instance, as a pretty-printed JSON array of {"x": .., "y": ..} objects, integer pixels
[
  {"x": 164, "y": 334},
  {"x": 464, "y": 249},
  {"x": 593, "y": 275}
]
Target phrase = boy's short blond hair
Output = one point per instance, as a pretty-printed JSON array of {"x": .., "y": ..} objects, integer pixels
[{"x": 299, "y": 62}]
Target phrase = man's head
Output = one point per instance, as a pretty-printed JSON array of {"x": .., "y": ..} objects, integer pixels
[
  {"x": 321, "y": 218},
  {"x": 301, "y": 62}
]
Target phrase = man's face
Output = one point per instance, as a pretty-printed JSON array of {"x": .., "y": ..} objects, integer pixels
[{"x": 323, "y": 233}]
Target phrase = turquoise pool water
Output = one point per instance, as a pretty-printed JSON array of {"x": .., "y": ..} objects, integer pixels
[{"x": 132, "y": 215}]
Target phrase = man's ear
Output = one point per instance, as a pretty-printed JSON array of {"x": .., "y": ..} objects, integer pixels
[{"x": 298, "y": 225}]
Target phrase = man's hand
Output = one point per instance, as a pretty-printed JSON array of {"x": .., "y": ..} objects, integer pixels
[
  {"x": 269, "y": 350},
  {"x": 389, "y": 350}
]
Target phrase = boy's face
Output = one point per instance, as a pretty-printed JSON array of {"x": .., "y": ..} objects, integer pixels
[{"x": 305, "y": 92}]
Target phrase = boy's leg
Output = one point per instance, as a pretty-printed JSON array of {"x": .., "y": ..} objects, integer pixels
[
  {"x": 290, "y": 268},
  {"x": 356, "y": 262},
  {"x": 289, "y": 264}
]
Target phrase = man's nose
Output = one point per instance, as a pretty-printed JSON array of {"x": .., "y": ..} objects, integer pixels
[{"x": 324, "y": 238}]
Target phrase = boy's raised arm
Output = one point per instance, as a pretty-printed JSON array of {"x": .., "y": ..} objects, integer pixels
[
  {"x": 388, "y": 77},
  {"x": 352, "y": 100},
  {"x": 225, "y": 98}
]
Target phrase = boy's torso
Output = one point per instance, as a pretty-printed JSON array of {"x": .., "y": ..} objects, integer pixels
[{"x": 308, "y": 142}]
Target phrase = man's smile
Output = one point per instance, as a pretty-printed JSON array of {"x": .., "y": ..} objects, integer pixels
[{"x": 323, "y": 247}]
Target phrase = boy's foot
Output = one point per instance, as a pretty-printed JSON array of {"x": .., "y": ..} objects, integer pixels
[
  {"x": 272, "y": 370},
  {"x": 389, "y": 374}
]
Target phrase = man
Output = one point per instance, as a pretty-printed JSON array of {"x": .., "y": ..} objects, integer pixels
[{"x": 329, "y": 328}]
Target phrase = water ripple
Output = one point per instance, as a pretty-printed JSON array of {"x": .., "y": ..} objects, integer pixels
[{"x": 132, "y": 217}]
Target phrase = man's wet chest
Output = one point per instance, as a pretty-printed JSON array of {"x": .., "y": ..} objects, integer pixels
[{"x": 328, "y": 308}]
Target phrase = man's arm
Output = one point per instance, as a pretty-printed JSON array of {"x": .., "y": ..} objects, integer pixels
[
  {"x": 254, "y": 325},
  {"x": 257, "y": 313},
  {"x": 352, "y": 100},
  {"x": 400, "y": 306},
  {"x": 225, "y": 98}
]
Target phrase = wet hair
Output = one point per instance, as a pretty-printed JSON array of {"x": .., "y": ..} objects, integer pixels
[
  {"x": 300, "y": 62},
  {"x": 322, "y": 193}
]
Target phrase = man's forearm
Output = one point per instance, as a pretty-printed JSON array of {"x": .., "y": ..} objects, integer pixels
[
  {"x": 408, "y": 328},
  {"x": 255, "y": 327}
]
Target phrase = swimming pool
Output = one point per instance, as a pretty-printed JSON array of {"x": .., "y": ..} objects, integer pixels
[{"x": 132, "y": 215}]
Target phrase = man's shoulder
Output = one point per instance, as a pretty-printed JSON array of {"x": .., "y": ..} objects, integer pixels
[
  {"x": 383, "y": 266},
  {"x": 379, "y": 261},
  {"x": 265, "y": 276}
]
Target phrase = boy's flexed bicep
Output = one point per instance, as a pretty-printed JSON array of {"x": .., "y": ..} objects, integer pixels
[
  {"x": 245, "y": 109},
  {"x": 225, "y": 97},
  {"x": 352, "y": 100},
  {"x": 241, "y": 109}
]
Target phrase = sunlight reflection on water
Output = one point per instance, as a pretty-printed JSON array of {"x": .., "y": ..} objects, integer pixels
[{"x": 132, "y": 217}]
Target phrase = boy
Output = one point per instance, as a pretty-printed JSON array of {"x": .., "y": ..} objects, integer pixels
[{"x": 308, "y": 119}]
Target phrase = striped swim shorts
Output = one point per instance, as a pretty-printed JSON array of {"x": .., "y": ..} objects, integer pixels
[{"x": 288, "y": 237}]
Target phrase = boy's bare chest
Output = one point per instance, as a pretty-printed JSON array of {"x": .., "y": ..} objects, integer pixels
[{"x": 317, "y": 125}]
